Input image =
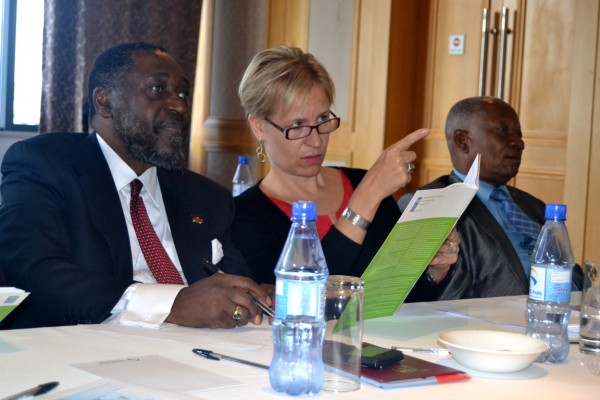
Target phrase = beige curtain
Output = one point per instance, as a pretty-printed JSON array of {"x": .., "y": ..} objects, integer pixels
[{"x": 76, "y": 31}]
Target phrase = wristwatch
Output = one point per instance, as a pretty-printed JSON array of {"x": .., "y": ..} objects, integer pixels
[{"x": 355, "y": 219}]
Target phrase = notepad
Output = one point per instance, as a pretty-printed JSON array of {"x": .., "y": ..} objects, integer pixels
[
  {"x": 413, "y": 242},
  {"x": 411, "y": 371},
  {"x": 10, "y": 298}
]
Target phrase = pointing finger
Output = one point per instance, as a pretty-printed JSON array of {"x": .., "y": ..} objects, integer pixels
[{"x": 410, "y": 139}]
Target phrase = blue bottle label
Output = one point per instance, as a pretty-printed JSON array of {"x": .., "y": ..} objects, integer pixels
[
  {"x": 299, "y": 298},
  {"x": 550, "y": 284}
]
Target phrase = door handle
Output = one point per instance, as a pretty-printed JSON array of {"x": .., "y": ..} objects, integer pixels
[
  {"x": 504, "y": 31},
  {"x": 484, "y": 47}
]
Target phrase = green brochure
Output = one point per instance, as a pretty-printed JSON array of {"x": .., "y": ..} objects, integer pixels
[
  {"x": 10, "y": 298},
  {"x": 413, "y": 242}
]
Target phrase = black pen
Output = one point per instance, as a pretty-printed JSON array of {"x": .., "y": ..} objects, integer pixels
[
  {"x": 211, "y": 355},
  {"x": 216, "y": 270},
  {"x": 36, "y": 391},
  {"x": 212, "y": 267}
]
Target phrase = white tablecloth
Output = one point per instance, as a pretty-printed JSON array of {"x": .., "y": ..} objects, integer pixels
[{"x": 33, "y": 356}]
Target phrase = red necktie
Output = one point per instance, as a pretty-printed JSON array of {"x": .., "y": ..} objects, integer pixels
[{"x": 157, "y": 258}]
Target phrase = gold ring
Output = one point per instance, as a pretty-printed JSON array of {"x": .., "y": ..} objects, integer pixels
[
  {"x": 237, "y": 314},
  {"x": 411, "y": 168}
]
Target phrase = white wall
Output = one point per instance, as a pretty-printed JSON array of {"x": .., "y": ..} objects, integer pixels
[{"x": 330, "y": 41}]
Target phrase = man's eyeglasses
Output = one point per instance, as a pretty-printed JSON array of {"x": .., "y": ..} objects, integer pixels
[{"x": 299, "y": 132}]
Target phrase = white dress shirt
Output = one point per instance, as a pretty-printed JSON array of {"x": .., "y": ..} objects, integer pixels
[{"x": 147, "y": 303}]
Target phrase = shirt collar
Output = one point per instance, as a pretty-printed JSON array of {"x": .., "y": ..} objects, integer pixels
[
  {"x": 485, "y": 189},
  {"x": 123, "y": 174}
]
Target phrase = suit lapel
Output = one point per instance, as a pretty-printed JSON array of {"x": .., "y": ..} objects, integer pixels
[
  {"x": 487, "y": 224},
  {"x": 102, "y": 199},
  {"x": 190, "y": 235}
]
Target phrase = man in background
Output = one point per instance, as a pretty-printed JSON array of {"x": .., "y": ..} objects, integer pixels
[
  {"x": 109, "y": 226},
  {"x": 499, "y": 228}
]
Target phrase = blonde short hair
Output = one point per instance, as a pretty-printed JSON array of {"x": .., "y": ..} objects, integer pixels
[{"x": 276, "y": 76}]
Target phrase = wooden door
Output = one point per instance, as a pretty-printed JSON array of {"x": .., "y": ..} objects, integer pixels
[{"x": 538, "y": 83}]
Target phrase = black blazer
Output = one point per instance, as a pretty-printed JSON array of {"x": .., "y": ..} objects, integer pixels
[
  {"x": 260, "y": 230},
  {"x": 63, "y": 235}
]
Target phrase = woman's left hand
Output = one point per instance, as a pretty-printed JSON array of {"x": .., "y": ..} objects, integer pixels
[{"x": 445, "y": 257}]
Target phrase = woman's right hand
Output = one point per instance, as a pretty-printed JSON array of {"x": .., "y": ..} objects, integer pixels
[{"x": 387, "y": 175}]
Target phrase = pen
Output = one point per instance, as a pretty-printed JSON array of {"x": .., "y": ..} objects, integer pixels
[
  {"x": 35, "y": 391},
  {"x": 212, "y": 267},
  {"x": 266, "y": 309},
  {"x": 211, "y": 355},
  {"x": 216, "y": 270},
  {"x": 433, "y": 350}
]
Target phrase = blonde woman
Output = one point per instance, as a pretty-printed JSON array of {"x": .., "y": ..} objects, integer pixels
[{"x": 288, "y": 97}]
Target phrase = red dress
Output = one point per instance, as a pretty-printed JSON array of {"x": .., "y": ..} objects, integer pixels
[{"x": 323, "y": 221}]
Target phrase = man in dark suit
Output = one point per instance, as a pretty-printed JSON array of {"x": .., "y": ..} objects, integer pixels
[
  {"x": 66, "y": 232},
  {"x": 494, "y": 254}
]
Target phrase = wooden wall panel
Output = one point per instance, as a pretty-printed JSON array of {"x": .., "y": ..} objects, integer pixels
[
  {"x": 582, "y": 180},
  {"x": 230, "y": 35},
  {"x": 371, "y": 81},
  {"x": 547, "y": 67}
]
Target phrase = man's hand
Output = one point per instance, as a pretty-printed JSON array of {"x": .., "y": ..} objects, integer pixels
[
  {"x": 270, "y": 290},
  {"x": 212, "y": 302},
  {"x": 445, "y": 257}
]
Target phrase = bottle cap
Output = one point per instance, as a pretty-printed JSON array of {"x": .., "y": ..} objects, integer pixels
[
  {"x": 242, "y": 160},
  {"x": 556, "y": 211},
  {"x": 304, "y": 210}
]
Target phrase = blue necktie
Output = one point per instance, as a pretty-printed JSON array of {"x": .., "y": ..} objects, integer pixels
[{"x": 518, "y": 218}]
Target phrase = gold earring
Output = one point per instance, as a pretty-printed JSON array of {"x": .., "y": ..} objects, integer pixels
[{"x": 260, "y": 151}]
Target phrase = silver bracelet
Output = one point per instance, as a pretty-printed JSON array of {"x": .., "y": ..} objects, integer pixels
[
  {"x": 355, "y": 219},
  {"x": 430, "y": 278}
]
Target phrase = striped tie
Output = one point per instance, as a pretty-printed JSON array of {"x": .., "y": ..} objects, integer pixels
[{"x": 517, "y": 218}]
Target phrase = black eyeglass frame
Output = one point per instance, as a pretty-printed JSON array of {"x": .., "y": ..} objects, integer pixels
[{"x": 285, "y": 131}]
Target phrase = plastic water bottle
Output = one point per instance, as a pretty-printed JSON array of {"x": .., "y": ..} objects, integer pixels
[
  {"x": 548, "y": 307},
  {"x": 299, "y": 324},
  {"x": 242, "y": 179}
]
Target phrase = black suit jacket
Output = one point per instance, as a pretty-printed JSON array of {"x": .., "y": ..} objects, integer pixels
[
  {"x": 63, "y": 235},
  {"x": 488, "y": 264}
]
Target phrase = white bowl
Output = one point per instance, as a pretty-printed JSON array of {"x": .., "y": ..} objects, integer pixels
[{"x": 492, "y": 351}]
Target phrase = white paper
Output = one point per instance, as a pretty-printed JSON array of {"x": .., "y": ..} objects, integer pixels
[
  {"x": 11, "y": 295},
  {"x": 10, "y": 298},
  {"x": 107, "y": 389},
  {"x": 159, "y": 373}
]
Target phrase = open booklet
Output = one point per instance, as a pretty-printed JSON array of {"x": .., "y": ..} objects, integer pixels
[
  {"x": 413, "y": 242},
  {"x": 10, "y": 298}
]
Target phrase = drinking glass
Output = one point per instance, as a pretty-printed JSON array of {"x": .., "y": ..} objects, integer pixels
[
  {"x": 589, "y": 329},
  {"x": 343, "y": 335}
]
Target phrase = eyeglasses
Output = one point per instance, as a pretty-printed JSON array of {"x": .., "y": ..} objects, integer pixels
[{"x": 299, "y": 132}]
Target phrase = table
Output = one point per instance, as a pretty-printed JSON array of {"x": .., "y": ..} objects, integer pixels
[{"x": 29, "y": 357}]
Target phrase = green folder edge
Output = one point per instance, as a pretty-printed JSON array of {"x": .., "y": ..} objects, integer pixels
[
  {"x": 401, "y": 260},
  {"x": 5, "y": 310}
]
